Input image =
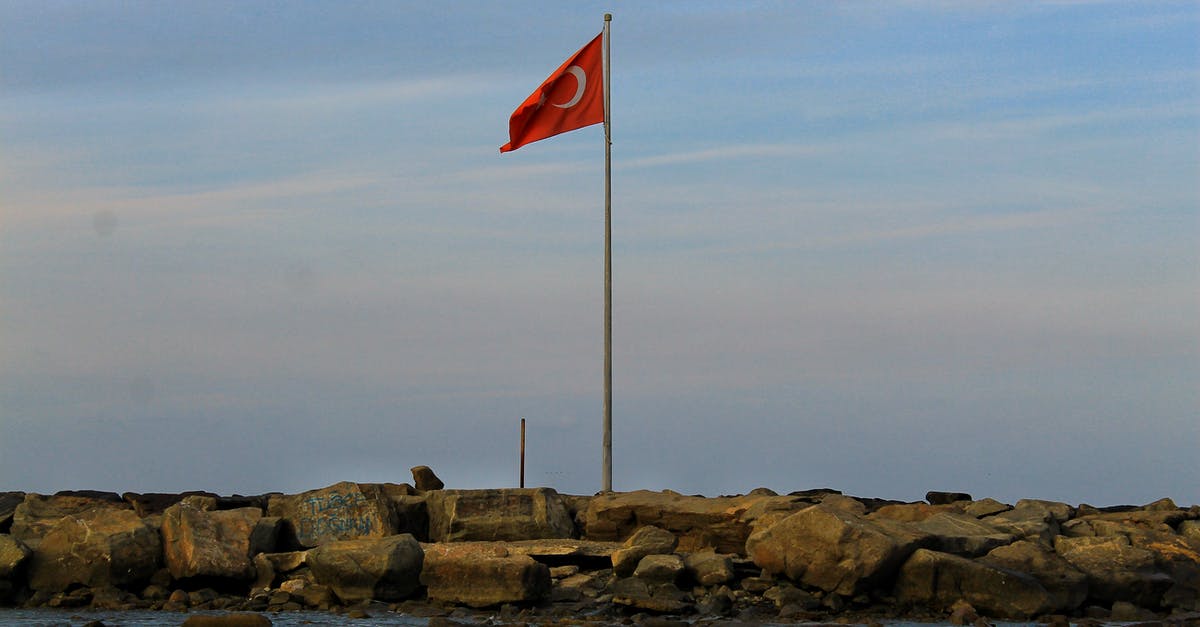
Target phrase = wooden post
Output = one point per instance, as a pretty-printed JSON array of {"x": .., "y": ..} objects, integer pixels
[{"x": 522, "y": 452}]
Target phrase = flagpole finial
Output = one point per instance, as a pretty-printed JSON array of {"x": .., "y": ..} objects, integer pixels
[{"x": 608, "y": 17}]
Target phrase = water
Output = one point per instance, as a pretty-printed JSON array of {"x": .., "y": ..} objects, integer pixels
[{"x": 149, "y": 618}]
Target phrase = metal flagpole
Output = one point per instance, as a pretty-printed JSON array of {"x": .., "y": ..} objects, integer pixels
[{"x": 607, "y": 266}]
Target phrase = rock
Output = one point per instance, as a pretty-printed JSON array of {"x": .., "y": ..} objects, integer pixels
[
  {"x": 660, "y": 568},
  {"x": 938, "y": 580},
  {"x": 645, "y": 541},
  {"x": 985, "y": 507},
  {"x": 946, "y": 498},
  {"x": 157, "y": 502},
  {"x": 963, "y": 535},
  {"x": 482, "y": 574},
  {"x": 721, "y": 524},
  {"x": 785, "y": 594},
  {"x": 709, "y": 569},
  {"x": 497, "y": 515},
  {"x": 424, "y": 479},
  {"x": 387, "y": 569},
  {"x": 912, "y": 512},
  {"x": 13, "y": 555},
  {"x": 564, "y": 550},
  {"x": 198, "y": 543},
  {"x": 411, "y": 514},
  {"x": 661, "y": 598},
  {"x": 834, "y": 550},
  {"x": 1038, "y": 521},
  {"x": 1066, "y": 586},
  {"x": 237, "y": 619},
  {"x": 343, "y": 511},
  {"x": 98, "y": 547},
  {"x": 36, "y": 514},
  {"x": 1125, "y": 611},
  {"x": 1116, "y": 570},
  {"x": 8, "y": 504}
]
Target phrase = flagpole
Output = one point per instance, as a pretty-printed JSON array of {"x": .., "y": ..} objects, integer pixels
[{"x": 607, "y": 266}]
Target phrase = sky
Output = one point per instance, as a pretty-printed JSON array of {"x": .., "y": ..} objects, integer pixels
[{"x": 884, "y": 248}]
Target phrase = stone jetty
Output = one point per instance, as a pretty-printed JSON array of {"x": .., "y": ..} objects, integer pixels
[{"x": 534, "y": 555}]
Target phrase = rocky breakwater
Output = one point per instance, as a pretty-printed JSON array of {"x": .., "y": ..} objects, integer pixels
[{"x": 814, "y": 555}]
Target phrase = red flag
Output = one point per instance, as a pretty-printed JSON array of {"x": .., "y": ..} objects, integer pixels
[{"x": 573, "y": 97}]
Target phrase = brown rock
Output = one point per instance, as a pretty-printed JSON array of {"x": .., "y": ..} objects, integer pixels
[
  {"x": 99, "y": 547},
  {"x": 963, "y": 535},
  {"x": 1066, "y": 585},
  {"x": 386, "y": 569},
  {"x": 645, "y": 541},
  {"x": 913, "y": 512},
  {"x": 985, "y": 507},
  {"x": 342, "y": 511},
  {"x": 8, "y": 504},
  {"x": 834, "y": 550},
  {"x": 424, "y": 479},
  {"x": 709, "y": 569},
  {"x": 209, "y": 543},
  {"x": 938, "y": 580},
  {"x": 1116, "y": 570},
  {"x": 476, "y": 575},
  {"x": 660, "y": 568},
  {"x": 13, "y": 555},
  {"x": 34, "y": 517},
  {"x": 497, "y": 515},
  {"x": 721, "y": 524}
]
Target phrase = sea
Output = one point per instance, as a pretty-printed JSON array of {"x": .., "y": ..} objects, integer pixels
[{"x": 148, "y": 618}]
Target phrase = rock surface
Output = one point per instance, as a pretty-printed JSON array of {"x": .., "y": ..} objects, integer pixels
[
  {"x": 387, "y": 569},
  {"x": 498, "y": 515},
  {"x": 938, "y": 580},
  {"x": 482, "y": 574},
  {"x": 99, "y": 547},
  {"x": 721, "y": 524},
  {"x": 343, "y": 511},
  {"x": 833, "y": 550},
  {"x": 213, "y": 543}
]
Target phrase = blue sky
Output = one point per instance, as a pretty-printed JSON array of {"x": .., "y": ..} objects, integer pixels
[{"x": 881, "y": 247}]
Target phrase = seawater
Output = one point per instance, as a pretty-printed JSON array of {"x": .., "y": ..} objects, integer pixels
[{"x": 148, "y": 618}]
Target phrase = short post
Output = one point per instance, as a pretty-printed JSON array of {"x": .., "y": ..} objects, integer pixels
[{"x": 522, "y": 452}]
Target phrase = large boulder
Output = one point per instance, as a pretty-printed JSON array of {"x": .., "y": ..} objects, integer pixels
[
  {"x": 497, "y": 515},
  {"x": 99, "y": 547},
  {"x": 1065, "y": 584},
  {"x": 1030, "y": 519},
  {"x": 1116, "y": 570},
  {"x": 385, "y": 569},
  {"x": 961, "y": 534},
  {"x": 36, "y": 514},
  {"x": 834, "y": 550},
  {"x": 199, "y": 543},
  {"x": 938, "y": 580},
  {"x": 482, "y": 574},
  {"x": 721, "y": 524},
  {"x": 343, "y": 511}
]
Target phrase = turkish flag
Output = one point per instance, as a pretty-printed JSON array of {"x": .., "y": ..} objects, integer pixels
[{"x": 573, "y": 97}]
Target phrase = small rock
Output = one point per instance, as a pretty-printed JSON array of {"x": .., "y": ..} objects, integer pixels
[
  {"x": 424, "y": 479},
  {"x": 660, "y": 568}
]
